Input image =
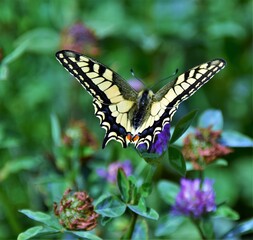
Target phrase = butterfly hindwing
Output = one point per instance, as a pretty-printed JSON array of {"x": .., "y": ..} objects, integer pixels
[{"x": 113, "y": 130}]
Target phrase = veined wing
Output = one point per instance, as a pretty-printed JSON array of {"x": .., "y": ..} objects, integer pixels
[
  {"x": 168, "y": 98},
  {"x": 100, "y": 81},
  {"x": 113, "y": 97}
]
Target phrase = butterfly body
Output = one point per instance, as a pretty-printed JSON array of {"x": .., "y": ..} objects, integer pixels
[
  {"x": 126, "y": 115},
  {"x": 143, "y": 104}
]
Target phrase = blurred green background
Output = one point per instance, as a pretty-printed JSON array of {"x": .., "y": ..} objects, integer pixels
[{"x": 154, "y": 38}]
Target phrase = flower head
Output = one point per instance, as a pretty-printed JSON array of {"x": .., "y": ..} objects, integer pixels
[
  {"x": 79, "y": 38},
  {"x": 160, "y": 143},
  {"x": 76, "y": 212},
  {"x": 111, "y": 173},
  {"x": 195, "y": 199},
  {"x": 76, "y": 139},
  {"x": 77, "y": 131},
  {"x": 203, "y": 147}
]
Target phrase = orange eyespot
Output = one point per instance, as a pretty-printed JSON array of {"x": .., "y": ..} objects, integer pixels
[
  {"x": 129, "y": 137},
  {"x": 135, "y": 138}
]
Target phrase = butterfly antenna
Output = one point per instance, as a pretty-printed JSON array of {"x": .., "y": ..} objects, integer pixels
[
  {"x": 162, "y": 80},
  {"x": 132, "y": 72}
]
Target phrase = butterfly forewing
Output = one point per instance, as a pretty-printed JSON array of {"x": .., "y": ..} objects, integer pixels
[
  {"x": 185, "y": 85},
  {"x": 113, "y": 97},
  {"x": 100, "y": 81}
]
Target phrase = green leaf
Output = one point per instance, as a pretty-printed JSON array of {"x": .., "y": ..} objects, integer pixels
[
  {"x": 211, "y": 118},
  {"x": 168, "y": 224},
  {"x": 207, "y": 228},
  {"x": 16, "y": 53},
  {"x": 11, "y": 167},
  {"x": 40, "y": 40},
  {"x": 227, "y": 212},
  {"x": 29, "y": 233},
  {"x": 86, "y": 235},
  {"x": 177, "y": 161},
  {"x": 38, "y": 231},
  {"x": 182, "y": 125},
  {"x": 168, "y": 191},
  {"x": 140, "y": 230},
  {"x": 37, "y": 216},
  {"x": 144, "y": 211},
  {"x": 56, "y": 130},
  {"x": 240, "y": 229},
  {"x": 123, "y": 185},
  {"x": 218, "y": 162},
  {"x": 235, "y": 139},
  {"x": 105, "y": 220},
  {"x": 146, "y": 189},
  {"x": 110, "y": 206},
  {"x": 149, "y": 156},
  {"x": 3, "y": 71},
  {"x": 134, "y": 193}
]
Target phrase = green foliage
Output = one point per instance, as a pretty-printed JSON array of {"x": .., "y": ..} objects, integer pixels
[
  {"x": 177, "y": 161},
  {"x": 123, "y": 185},
  {"x": 182, "y": 125},
  {"x": 240, "y": 229},
  {"x": 168, "y": 191},
  {"x": 142, "y": 210},
  {"x": 227, "y": 212},
  {"x": 50, "y": 226},
  {"x": 110, "y": 206},
  {"x": 168, "y": 224},
  {"x": 132, "y": 197},
  {"x": 140, "y": 230}
]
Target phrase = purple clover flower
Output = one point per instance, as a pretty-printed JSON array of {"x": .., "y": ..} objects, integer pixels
[
  {"x": 111, "y": 173},
  {"x": 161, "y": 142},
  {"x": 194, "y": 199},
  {"x": 136, "y": 84}
]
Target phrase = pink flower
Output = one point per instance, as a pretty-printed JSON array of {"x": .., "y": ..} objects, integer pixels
[{"x": 203, "y": 147}]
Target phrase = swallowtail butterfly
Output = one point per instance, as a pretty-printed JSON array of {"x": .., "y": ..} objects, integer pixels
[{"x": 126, "y": 115}]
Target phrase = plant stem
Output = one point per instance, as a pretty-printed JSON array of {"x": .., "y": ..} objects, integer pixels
[
  {"x": 202, "y": 177},
  {"x": 151, "y": 172},
  {"x": 10, "y": 212},
  {"x": 129, "y": 233},
  {"x": 199, "y": 229}
]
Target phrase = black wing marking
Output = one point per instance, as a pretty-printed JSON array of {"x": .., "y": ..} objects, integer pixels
[
  {"x": 168, "y": 98},
  {"x": 113, "y": 97},
  {"x": 100, "y": 81}
]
